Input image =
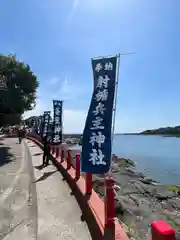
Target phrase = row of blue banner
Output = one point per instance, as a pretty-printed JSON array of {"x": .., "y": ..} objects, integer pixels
[
  {"x": 97, "y": 135},
  {"x": 55, "y": 131}
]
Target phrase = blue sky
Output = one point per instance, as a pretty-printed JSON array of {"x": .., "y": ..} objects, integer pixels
[{"x": 58, "y": 38}]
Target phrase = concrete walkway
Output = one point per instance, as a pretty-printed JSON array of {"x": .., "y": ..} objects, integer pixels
[
  {"x": 58, "y": 215},
  {"x": 17, "y": 206}
]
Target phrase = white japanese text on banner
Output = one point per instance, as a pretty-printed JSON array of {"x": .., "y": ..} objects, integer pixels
[
  {"x": 57, "y": 122},
  {"x": 45, "y": 123},
  {"x": 96, "y": 142}
]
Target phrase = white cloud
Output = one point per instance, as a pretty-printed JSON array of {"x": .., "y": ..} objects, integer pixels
[
  {"x": 54, "y": 80},
  {"x": 73, "y": 120},
  {"x": 75, "y": 4},
  {"x": 67, "y": 90},
  {"x": 38, "y": 110}
]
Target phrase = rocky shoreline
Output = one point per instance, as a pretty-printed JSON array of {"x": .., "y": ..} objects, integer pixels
[{"x": 140, "y": 200}]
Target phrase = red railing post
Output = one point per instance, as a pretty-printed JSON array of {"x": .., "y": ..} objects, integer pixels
[
  {"x": 53, "y": 149},
  {"x": 68, "y": 159},
  {"x": 109, "y": 202},
  {"x": 57, "y": 151},
  {"x": 161, "y": 230},
  {"x": 62, "y": 154},
  {"x": 88, "y": 183},
  {"x": 78, "y": 165}
]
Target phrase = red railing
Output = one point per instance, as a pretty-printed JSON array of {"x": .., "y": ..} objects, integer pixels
[{"x": 160, "y": 230}]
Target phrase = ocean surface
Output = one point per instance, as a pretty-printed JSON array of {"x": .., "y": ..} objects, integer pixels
[{"x": 156, "y": 156}]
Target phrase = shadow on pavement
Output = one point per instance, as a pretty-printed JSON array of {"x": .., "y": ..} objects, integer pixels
[
  {"x": 5, "y": 155},
  {"x": 45, "y": 175},
  {"x": 40, "y": 167},
  {"x": 37, "y": 154}
]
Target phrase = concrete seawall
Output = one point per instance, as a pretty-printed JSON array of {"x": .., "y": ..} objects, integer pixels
[{"x": 93, "y": 208}]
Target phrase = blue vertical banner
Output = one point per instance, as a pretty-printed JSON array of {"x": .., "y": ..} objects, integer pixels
[
  {"x": 39, "y": 124},
  {"x": 45, "y": 123},
  {"x": 36, "y": 124},
  {"x": 96, "y": 141},
  {"x": 57, "y": 122}
]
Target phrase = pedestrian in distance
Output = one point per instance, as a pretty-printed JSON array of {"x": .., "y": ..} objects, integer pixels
[
  {"x": 46, "y": 154},
  {"x": 21, "y": 134}
]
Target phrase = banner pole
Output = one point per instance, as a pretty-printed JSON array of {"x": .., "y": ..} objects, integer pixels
[{"x": 114, "y": 107}]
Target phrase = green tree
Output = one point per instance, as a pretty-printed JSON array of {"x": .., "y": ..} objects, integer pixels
[{"x": 20, "y": 94}]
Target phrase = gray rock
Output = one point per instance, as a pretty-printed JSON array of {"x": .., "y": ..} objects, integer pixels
[{"x": 140, "y": 200}]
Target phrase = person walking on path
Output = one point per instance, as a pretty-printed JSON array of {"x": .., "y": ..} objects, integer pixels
[
  {"x": 46, "y": 154},
  {"x": 21, "y": 133}
]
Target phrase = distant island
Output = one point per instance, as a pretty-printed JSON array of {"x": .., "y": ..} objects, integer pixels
[
  {"x": 169, "y": 131},
  {"x": 165, "y": 131}
]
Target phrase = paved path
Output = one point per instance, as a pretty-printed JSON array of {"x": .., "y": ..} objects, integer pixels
[
  {"x": 16, "y": 218},
  {"x": 35, "y": 204},
  {"x": 58, "y": 212}
]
